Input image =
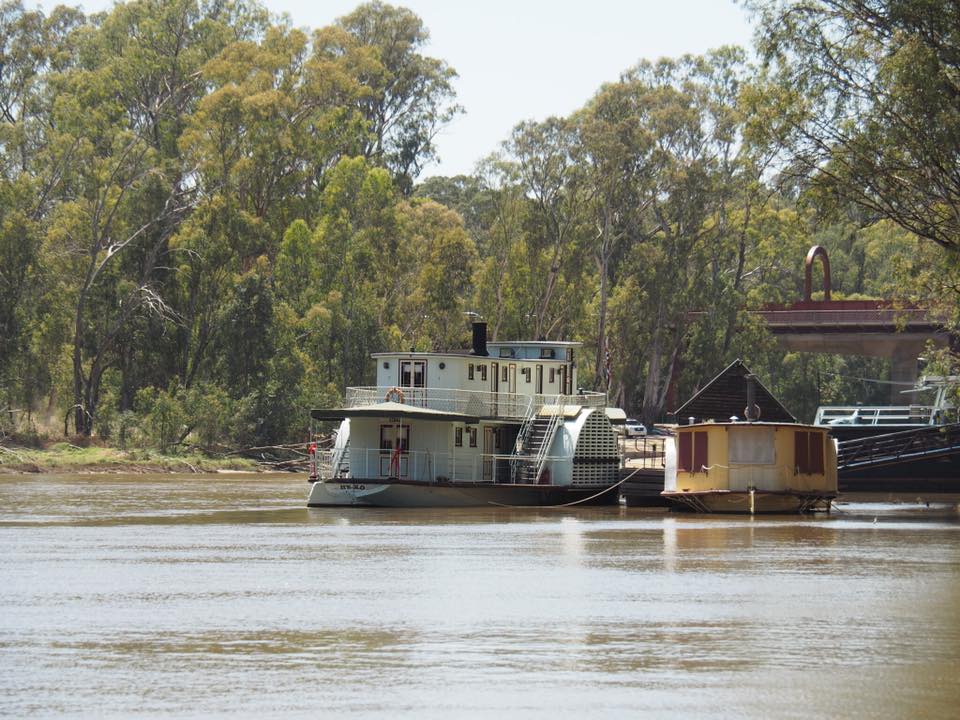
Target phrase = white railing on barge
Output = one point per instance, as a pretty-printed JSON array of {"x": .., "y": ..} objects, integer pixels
[
  {"x": 471, "y": 402},
  {"x": 906, "y": 415},
  {"x": 374, "y": 464}
]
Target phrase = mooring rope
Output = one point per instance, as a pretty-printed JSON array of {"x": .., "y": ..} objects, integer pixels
[{"x": 569, "y": 504}]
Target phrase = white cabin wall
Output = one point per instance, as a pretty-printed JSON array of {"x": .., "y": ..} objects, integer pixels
[
  {"x": 455, "y": 373},
  {"x": 432, "y": 453},
  {"x": 364, "y": 438}
]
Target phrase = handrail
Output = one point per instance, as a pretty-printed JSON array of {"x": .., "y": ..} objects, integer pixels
[
  {"x": 549, "y": 433},
  {"x": 522, "y": 438},
  {"x": 915, "y": 415},
  {"x": 470, "y": 402},
  {"x": 896, "y": 447},
  {"x": 423, "y": 465}
]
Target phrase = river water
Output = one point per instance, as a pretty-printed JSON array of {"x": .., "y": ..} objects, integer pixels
[{"x": 222, "y": 595}]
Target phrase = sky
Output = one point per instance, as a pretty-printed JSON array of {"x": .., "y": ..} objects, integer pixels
[{"x": 529, "y": 59}]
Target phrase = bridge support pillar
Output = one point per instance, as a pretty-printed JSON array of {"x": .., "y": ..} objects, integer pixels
[{"x": 903, "y": 369}]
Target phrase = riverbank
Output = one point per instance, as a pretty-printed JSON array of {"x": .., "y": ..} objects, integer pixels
[{"x": 65, "y": 457}]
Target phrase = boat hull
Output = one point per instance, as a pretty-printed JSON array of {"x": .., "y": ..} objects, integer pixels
[
  {"x": 400, "y": 493},
  {"x": 746, "y": 503}
]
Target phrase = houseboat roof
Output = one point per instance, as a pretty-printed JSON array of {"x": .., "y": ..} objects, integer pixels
[
  {"x": 419, "y": 353},
  {"x": 467, "y": 352},
  {"x": 726, "y": 396},
  {"x": 391, "y": 409},
  {"x": 534, "y": 343},
  {"x": 745, "y": 424}
]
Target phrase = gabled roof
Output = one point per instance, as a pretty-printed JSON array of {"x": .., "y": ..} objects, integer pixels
[{"x": 726, "y": 396}]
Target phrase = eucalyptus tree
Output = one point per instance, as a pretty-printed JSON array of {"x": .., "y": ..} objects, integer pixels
[
  {"x": 407, "y": 98},
  {"x": 362, "y": 262},
  {"x": 261, "y": 142},
  {"x": 124, "y": 188},
  {"x": 500, "y": 296},
  {"x": 32, "y": 46},
  {"x": 865, "y": 95},
  {"x": 440, "y": 272},
  {"x": 616, "y": 150},
  {"x": 697, "y": 191},
  {"x": 548, "y": 170}
]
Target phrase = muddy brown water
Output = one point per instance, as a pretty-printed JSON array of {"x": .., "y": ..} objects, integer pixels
[{"x": 222, "y": 595}]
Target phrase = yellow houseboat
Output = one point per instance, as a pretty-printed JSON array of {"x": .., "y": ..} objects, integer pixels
[{"x": 746, "y": 466}]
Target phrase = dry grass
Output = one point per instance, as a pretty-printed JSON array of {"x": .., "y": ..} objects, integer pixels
[{"x": 67, "y": 457}]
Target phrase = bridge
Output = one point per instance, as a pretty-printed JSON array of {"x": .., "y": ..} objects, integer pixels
[
  {"x": 921, "y": 455},
  {"x": 872, "y": 328}
]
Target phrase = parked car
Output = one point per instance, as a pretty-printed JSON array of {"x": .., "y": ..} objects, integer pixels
[{"x": 634, "y": 428}]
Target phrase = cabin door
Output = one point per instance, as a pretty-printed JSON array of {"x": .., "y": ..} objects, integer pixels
[
  {"x": 539, "y": 379},
  {"x": 512, "y": 383},
  {"x": 563, "y": 381},
  {"x": 489, "y": 448},
  {"x": 413, "y": 381},
  {"x": 494, "y": 386}
]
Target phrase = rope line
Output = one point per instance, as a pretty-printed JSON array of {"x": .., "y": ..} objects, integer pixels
[{"x": 569, "y": 504}]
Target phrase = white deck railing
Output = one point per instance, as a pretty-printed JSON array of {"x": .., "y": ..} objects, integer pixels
[
  {"x": 881, "y": 415},
  {"x": 471, "y": 402},
  {"x": 373, "y": 464}
]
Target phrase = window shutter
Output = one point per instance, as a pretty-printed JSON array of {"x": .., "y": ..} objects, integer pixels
[
  {"x": 801, "y": 453},
  {"x": 699, "y": 451},
  {"x": 685, "y": 451},
  {"x": 816, "y": 453}
]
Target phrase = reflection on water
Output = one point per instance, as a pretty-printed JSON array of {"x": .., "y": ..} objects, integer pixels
[{"x": 224, "y": 595}]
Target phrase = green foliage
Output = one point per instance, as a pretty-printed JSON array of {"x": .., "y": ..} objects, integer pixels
[
  {"x": 407, "y": 97},
  {"x": 208, "y": 218},
  {"x": 164, "y": 418},
  {"x": 864, "y": 98}
]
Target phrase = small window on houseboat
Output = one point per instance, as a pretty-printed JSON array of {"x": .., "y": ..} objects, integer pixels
[
  {"x": 503, "y": 375},
  {"x": 483, "y": 373},
  {"x": 553, "y": 375},
  {"x": 458, "y": 437},
  {"x": 470, "y": 371},
  {"x": 472, "y": 432},
  {"x": 526, "y": 374},
  {"x": 751, "y": 445}
]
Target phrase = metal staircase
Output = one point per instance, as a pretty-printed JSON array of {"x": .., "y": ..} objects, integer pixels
[
  {"x": 340, "y": 463},
  {"x": 536, "y": 437}
]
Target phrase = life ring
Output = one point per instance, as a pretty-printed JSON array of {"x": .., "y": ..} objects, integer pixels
[{"x": 394, "y": 393}]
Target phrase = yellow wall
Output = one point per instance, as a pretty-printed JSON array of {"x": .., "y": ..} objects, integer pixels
[{"x": 779, "y": 476}]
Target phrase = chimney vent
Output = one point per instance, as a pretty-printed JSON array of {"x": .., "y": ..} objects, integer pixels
[{"x": 479, "y": 338}]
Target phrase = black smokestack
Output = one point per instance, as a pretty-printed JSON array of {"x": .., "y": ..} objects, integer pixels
[
  {"x": 479, "y": 338},
  {"x": 751, "y": 411}
]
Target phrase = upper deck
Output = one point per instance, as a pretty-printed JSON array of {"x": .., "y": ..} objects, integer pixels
[
  {"x": 471, "y": 403},
  {"x": 501, "y": 369}
]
